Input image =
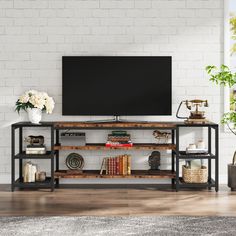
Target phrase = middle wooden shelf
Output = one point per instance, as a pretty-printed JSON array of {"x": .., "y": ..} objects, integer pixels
[
  {"x": 101, "y": 146},
  {"x": 161, "y": 174}
]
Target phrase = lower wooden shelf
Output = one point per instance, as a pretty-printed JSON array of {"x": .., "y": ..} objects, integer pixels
[{"x": 162, "y": 174}]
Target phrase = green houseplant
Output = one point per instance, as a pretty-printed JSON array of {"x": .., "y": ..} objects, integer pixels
[{"x": 223, "y": 76}]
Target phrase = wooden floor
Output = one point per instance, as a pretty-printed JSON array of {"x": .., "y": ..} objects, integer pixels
[{"x": 124, "y": 200}]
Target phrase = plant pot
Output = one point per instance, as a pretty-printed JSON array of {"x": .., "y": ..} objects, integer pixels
[
  {"x": 232, "y": 177},
  {"x": 35, "y": 115}
]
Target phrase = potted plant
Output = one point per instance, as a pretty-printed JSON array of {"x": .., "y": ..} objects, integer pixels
[
  {"x": 35, "y": 103},
  {"x": 224, "y": 77}
]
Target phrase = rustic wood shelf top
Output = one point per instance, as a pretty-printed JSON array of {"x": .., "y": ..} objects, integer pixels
[
  {"x": 94, "y": 125},
  {"x": 162, "y": 174},
  {"x": 101, "y": 146},
  {"x": 112, "y": 125}
]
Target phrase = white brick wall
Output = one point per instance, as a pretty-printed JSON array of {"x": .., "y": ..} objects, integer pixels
[{"x": 34, "y": 35}]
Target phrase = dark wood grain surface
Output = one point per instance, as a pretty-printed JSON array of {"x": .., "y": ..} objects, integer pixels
[
  {"x": 101, "y": 146},
  {"x": 114, "y": 199},
  {"x": 162, "y": 174}
]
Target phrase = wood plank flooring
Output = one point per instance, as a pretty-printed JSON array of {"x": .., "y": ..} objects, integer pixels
[{"x": 105, "y": 200}]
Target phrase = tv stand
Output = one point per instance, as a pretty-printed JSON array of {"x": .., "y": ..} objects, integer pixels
[
  {"x": 56, "y": 146},
  {"x": 116, "y": 119}
]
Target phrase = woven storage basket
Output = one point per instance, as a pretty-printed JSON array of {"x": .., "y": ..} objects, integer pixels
[{"x": 194, "y": 175}]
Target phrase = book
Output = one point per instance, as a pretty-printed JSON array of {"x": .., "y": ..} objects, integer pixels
[
  {"x": 117, "y": 165},
  {"x": 109, "y": 166},
  {"x": 35, "y": 146},
  {"x": 121, "y": 165},
  {"x": 119, "y": 136},
  {"x": 123, "y": 139},
  {"x": 35, "y": 152},
  {"x": 118, "y": 144},
  {"x": 124, "y": 164},
  {"x": 35, "y": 149},
  {"x": 106, "y": 165},
  {"x": 103, "y": 166},
  {"x": 114, "y": 166},
  {"x": 119, "y": 132},
  {"x": 129, "y": 165}
]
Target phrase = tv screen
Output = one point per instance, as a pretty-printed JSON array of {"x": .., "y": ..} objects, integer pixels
[{"x": 116, "y": 85}]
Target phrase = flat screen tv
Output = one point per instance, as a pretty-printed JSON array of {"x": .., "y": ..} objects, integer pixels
[{"x": 116, "y": 85}]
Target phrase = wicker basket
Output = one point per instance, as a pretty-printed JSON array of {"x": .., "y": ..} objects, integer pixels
[{"x": 194, "y": 175}]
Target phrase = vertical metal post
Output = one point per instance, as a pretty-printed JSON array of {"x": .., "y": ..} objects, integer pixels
[
  {"x": 217, "y": 158},
  {"x": 52, "y": 158},
  {"x": 57, "y": 155},
  {"x": 12, "y": 158},
  {"x": 20, "y": 151},
  {"x": 177, "y": 160},
  {"x": 172, "y": 154},
  {"x": 209, "y": 158}
]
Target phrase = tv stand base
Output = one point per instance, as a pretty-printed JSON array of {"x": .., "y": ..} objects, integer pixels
[{"x": 116, "y": 119}]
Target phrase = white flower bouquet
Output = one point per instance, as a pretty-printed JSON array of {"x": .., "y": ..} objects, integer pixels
[{"x": 34, "y": 99}]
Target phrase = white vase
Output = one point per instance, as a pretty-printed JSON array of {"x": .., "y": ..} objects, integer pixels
[{"x": 35, "y": 115}]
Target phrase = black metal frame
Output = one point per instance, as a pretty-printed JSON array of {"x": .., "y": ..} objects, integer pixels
[
  {"x": 176, "y": 154},
  {"x": 211, "y": 183},
  {"x": 49, "y": 182}
]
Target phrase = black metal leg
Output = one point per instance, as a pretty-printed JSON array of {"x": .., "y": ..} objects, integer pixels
[
  {"x": 173, "y": 156},
  {"x": 57, "y": 156},
  {"x": 20, "y": 151},
  {"x": 209, "y": 159},
  {"x": 12, "y": 158},
  {"x": 177, "y": 160},
  {"x": 52, "y": 174},
  {"x": 217, "y": 159},
  {"x": 52, "y": 159}
]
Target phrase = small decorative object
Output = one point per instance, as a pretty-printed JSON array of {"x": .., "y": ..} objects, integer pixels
[
  {"x": 154, "y": 161},
  {"x": 36, "y": 145},
  {"x": 71, "y": 138},
  {"x": 161, "y": 136},
  {"x": 74, "y": 161},
  {"x": 34, "y": 115},
  {"x": 191, "y": 175},
  {"x": 35, "y": 103},
  {"x": 192, "y": 146},
  {"x": 35, "y": 140},
  {"x": 201, "y": 144},
  {"x": 198, "y": 148},
  {"x": 196, "y": 116},
  {"x": 29, "y": 171},
  {"x": 40, "y": 176}
]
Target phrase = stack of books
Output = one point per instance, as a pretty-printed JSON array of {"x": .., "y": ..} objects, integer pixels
[
  {"x": 119, "y": 139},
  {"x": 35, "y": 149},
  {"x": 119, "y": 165}
]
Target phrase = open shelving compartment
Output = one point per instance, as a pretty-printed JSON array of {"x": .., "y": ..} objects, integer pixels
[
  {"x": 209, "y": 156},
  {"x": 135, "y": 174},
  {"x": 49, "y": 182}
]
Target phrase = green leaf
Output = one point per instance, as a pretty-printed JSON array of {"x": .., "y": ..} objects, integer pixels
[{"x": 222, "y": 76}]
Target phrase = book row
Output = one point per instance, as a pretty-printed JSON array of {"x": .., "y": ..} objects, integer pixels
[{"x": 119, "y": 165}]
